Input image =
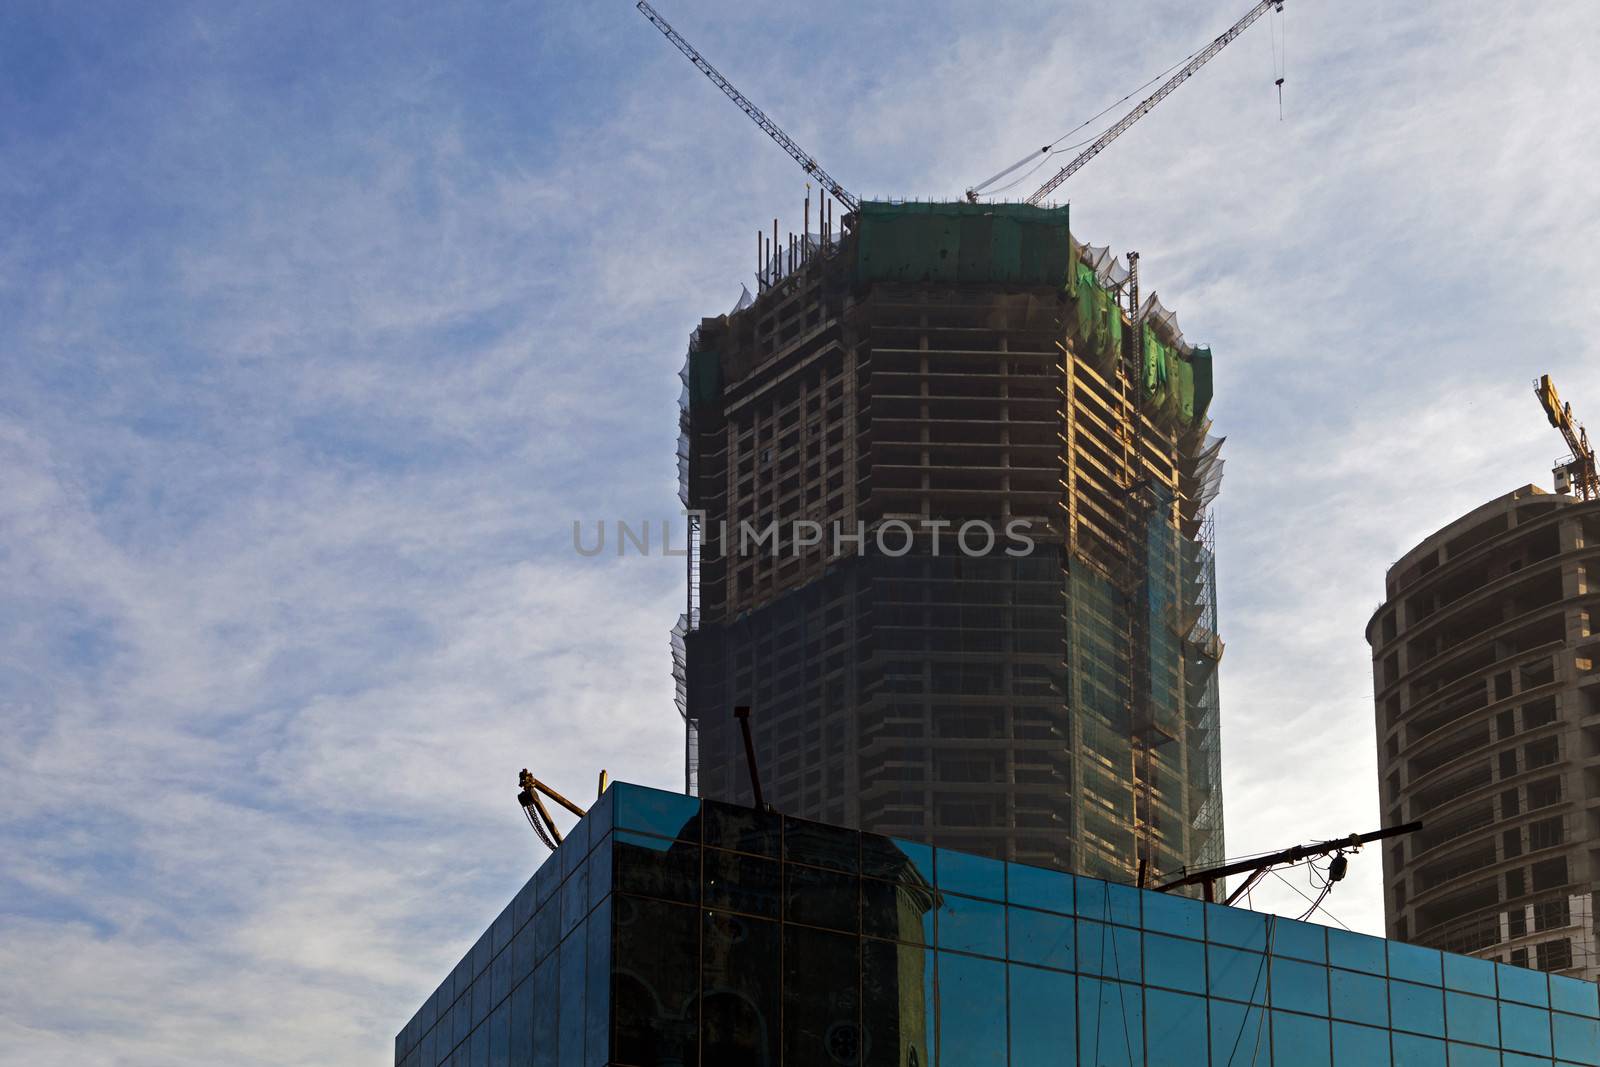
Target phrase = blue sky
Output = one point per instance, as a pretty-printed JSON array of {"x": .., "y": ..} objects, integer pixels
[{"x": 319, "y": 324}]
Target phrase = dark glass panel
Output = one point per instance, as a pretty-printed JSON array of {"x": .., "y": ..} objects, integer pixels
[
  {"x": 821, "y": 898},
  {"x": 1410, "y": 1050},
  {"x": 1043, "y": 1017},
  {"x": 821, "y": 845},
  {"x": 482, "y": 953},
  {"x": 546, "y": 1010},
  {"x": 574, "y": 848},
  {"x": 1300, "y": 1040},
  {"x": 655, "y": 812},
  {"x": 500, "y": 977},
  {"x": 1361, "y": 998},
  {"x": 1566, "y": 994},
  {"x": 574, "y": 956},
  {"x": 1522, "y": 985},
  {"x": 896, "y": 1005},
  {"x": 1472, "y": 1056},
  {"x": 597, "y": 997},
  {"x": 480, "y": 1047},
  {"x": 522, "y": 958},
  {"x": 1524, "y": 1029},
  {"x": 742, "y": 829},
  {"x": 897, "y": 910},
  {"x": 656, "y": 867},
  {"x": 463, "y": 1017},
  {"x": 1470, "y": 1018},
  {"x": 482, "y": 998},
  {"x": 1036, "y": 887},
  {"x": 429, "y": 1056},
  {"x": 1175, "y": 962},
  {"x": 1110, "y": 1022},
  {"x": 602, "y": 813},
  {"x": 1239, "y": 1035},
  {"x": 521, "y": 1042},
  {"x": 1414, "y": 963},
  {"x": 1299, "y": 987},
  {"x": 821, "y": 999},
  {"x": 1176, "y": 1027},
  {"x": 1168, "y": 913},
  {"x": 546, "y": 880},
  {"x": 1468, "y": 974},
  {"x": 895, "y": 860},
  {"x": 1236, "y": 927},
  {"x": 1106, "y": 901},
  {"x": 1301, "y": 941},
  {"x": 600, "y": 869},
  {"x": 546, "y": 929},
  {"x": 574, "y": 900},
  {"x": 500, "y": 1036},
  {"x": 968, "y": 925},
  {"x": 742, "y": 883},
  {"x": 1359, "y": 1046},
  {"x": 973, "y": 876},
  {"x": 1236, "y": 974},
  {"x": 1111, "y": 951},
  {"x": 739, "y": 969},
  {"x": 1039, "y": 937},
  {"x": 1577, "y": 1039},
  {"x": 972, "y": 1011},
  {"x": 1356, "y": 952},
  {"x": 655, "y": 957},
  {"x": 501, "y": 931},
  {"x": 1417, "y": 1008}
]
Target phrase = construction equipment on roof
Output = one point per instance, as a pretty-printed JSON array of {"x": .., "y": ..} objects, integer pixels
[
  {"x": 1143, "y": 108},
  {"x": 539, "y": 815},
  {"x": 1576, "y": 473},
  {"x": 759, "y": 117}
]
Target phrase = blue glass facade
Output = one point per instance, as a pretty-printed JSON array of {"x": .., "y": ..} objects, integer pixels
[{"x": 671, "y": 932}]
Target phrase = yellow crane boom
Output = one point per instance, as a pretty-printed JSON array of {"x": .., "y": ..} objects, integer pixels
[{"x": 1577, "y": 472}]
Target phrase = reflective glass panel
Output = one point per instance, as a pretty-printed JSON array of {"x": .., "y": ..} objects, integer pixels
[
  {"x": 1576, "y": 1039},
  {"x": 500, "y": 1036},
  {"x": 896, "y": 859},
  {"x": 657, "y": 947},
  {"x": 1236, "y": 927},
  {"x": 896, "y": 1004},
  {"x": 546, "y": 1010},
  {"x": 1239, "y": 1035},
  {"x": 1522, "y": 985},
  {"x": 1106, "y": 901},
  {"x": 1524, "y": 1029},
  {"x": 656, "y": 867},
  {"x": 597, "y": 998},
  {"x": 1110, "y": 1022},
  {"x": 739, "y": 975},
  {"x": 1573, "y": 995},
  {"x": 601, "y": 813},
  {"x": 502, "y": 929},
  {"x": 521, "y": 1043},
  {"x": 1169, "y": 913},
  {"x": 574, "y": 848},
  {"x": 500, "y": 977},
  {"x": 972, "y": 1011},
  {"x": 1236, "y": 974},
  {"x": 600, "y": 869},
  {"x": 742, "y": 883},
  {"x": 1301, "y": 941},
  {"x": 742, "y": 829},
  {"x": 522, "y": 904},
  {"x": 1043, "y": 1016},
  {"x": 897, "y": 910},
  {"x": 1417, "y": 1008},
  {"x": 1468, "y": 974},
  {"x": 1357, "y": 952},
  {"x": 820, "y": 845},
  {"x": 1472, "y": 1056},
  {"x": 1470, "y": 1018},
  {"x": 968, "y": 925},
  {"x": 480, "y": 1047},
  {"x": 1176, "y": 1028},
  {"x": 821, "y": 1001},
  {"x": 572, "y": 1024},
  {"x": 1300, "y": 987},
  {"x": 1361, "y": 998},
  {"x": 1519, "y": 1059},
  {"x": 1359, "y": 1046},
  {"x": 1299, "y": 1040},
  {"x": 1039, "y": 937},
  {"x": 656, "y": 812},
  {"x": 522, "y": 954},
  {"x": 1414, "y": 963},
  {"x": 973, "y": 876},
  {"x": 574, "y": 900},
  {"x": 1035, "y": 887},
  {"x": 1410, "y": 1050},
  {"x": 821, "y": 898},
  {"x": 1111, "y": 951},
  {"x": 1175, "y": 962}
]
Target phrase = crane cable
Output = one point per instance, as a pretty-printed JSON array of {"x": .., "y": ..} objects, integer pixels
[
  {"x": 1050, "y": 149},
  {"x": 1280, "y": 53}
]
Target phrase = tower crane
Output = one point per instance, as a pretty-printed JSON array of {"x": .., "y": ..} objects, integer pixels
[
  {"x": 759, "y": 117},
  {"x": 1579, "y": 472},
  {"x": 1143, "y": 108}
]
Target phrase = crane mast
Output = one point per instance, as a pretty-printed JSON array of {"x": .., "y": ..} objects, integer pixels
[
  {"x": 1580, "y": 470},
  {"x": 1144, "y": 106},
  {"x": 759, "y": 117}
]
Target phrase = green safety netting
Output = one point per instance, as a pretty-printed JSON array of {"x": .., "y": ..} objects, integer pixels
[
  {"x": 1200, "y": 361},
  {"x": 961, "y": 242},
  {"x": 705, "y": 378}
]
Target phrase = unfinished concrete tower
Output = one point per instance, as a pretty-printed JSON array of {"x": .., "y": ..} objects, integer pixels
[
  {"x": 1000, "y": 634},
  {"x": 1486, "y": 670}
]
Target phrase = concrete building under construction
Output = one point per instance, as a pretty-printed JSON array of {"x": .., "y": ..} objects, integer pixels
[
  {"x": 1486, "y": 669},
  {"x": 948, "y": 481}
]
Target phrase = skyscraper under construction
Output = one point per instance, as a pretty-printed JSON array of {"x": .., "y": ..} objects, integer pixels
[{"x": 948, "y": 482}]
